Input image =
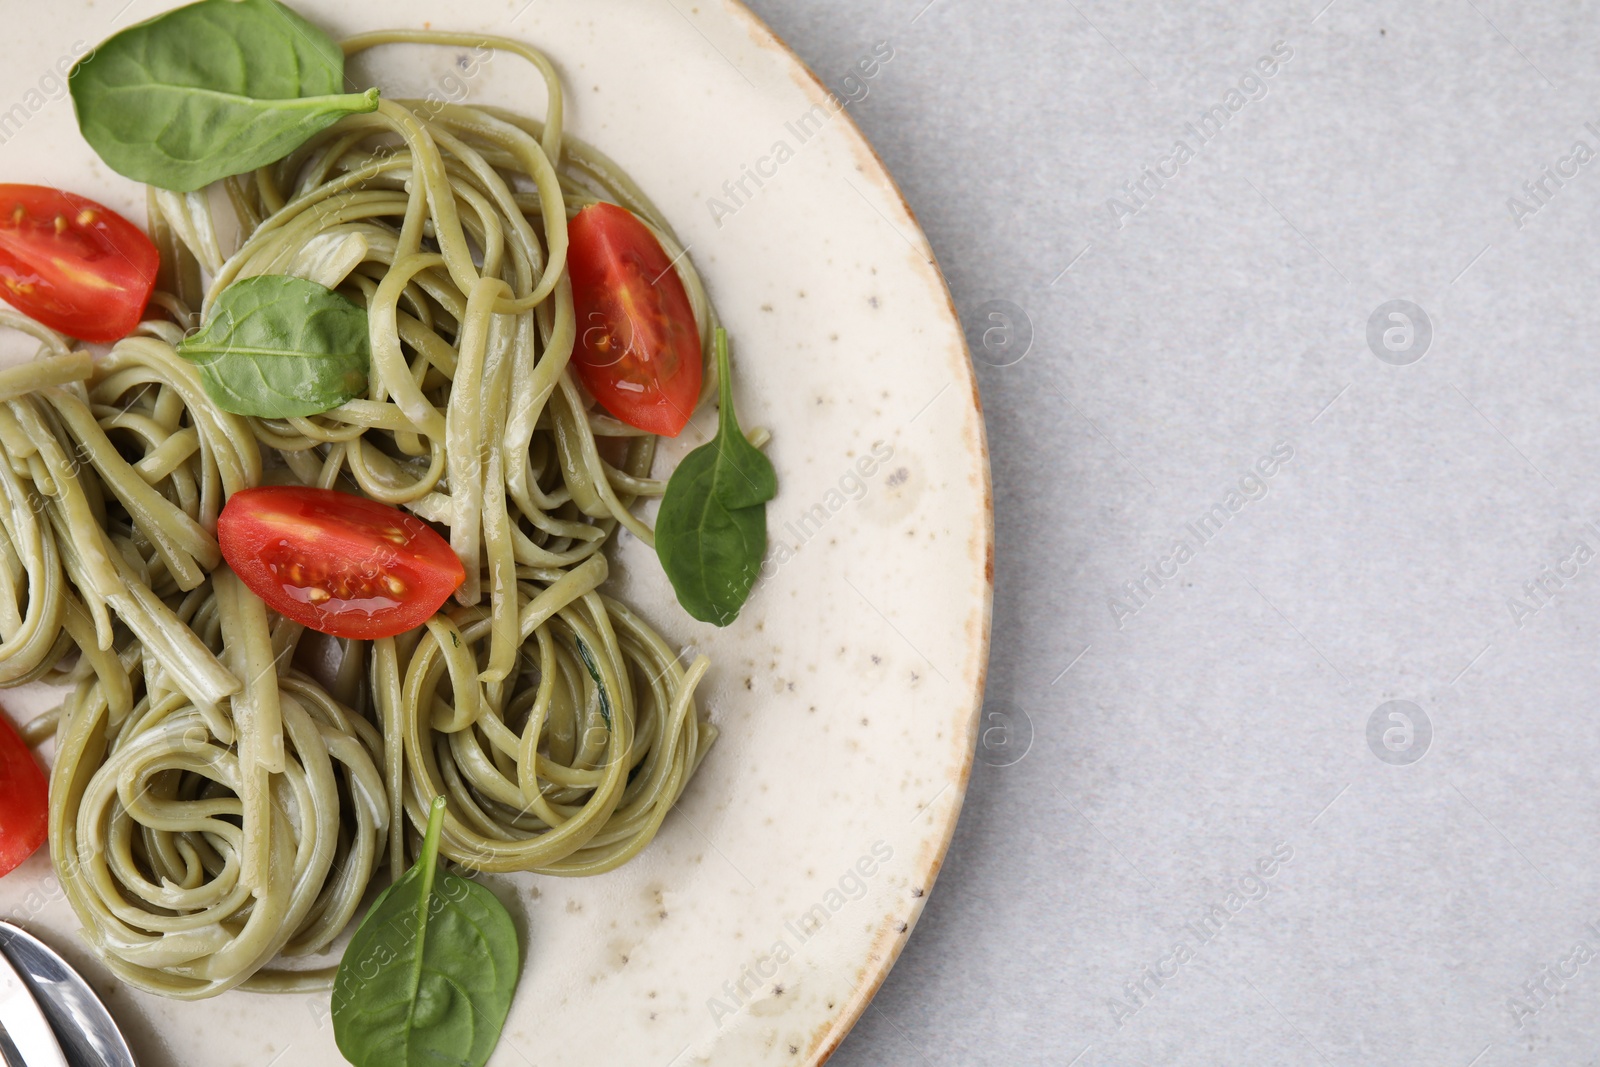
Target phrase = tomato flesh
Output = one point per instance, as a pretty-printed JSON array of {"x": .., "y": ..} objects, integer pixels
[
  {"x": 72, "y": 264},
  {"x": 638, "y": 347},
  {"x": 340, "y": 564},
  {"x": 23, "y": 804}
]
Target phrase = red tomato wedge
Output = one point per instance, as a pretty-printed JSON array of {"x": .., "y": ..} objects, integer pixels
[
  {"x": 72, "y": 264},
  {"x": 341, "y": 564},
  {"x": 23, "y": 804},
  {"x": 638, "y": 348}
]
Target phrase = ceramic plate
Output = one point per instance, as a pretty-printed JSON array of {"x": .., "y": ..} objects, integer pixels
[{"x": 781, "y": 889}]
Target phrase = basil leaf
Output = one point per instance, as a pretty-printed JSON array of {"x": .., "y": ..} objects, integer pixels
[
  {"x": 209, "y": 90},
  {"x": 593, "y": 668},
  {"x": 276, "y": 346},
  {"x": 428, "y": 976},
  {"x": 711, "y": 531}
]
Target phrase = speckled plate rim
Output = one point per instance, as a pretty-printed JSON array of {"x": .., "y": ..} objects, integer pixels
[{"x": 832, "y": 1034}]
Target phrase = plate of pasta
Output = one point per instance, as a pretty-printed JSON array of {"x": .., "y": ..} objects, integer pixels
[{"x": 495, "y": 526}]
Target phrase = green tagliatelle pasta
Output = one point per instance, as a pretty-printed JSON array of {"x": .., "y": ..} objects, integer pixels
[{"x": 216, "y": 810}]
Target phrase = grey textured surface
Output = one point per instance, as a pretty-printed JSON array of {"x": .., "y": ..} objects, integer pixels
[{"x": 1432, "y": 909}]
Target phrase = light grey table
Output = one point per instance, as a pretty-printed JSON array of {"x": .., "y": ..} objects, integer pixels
[{"x": 1319, "y": 787}]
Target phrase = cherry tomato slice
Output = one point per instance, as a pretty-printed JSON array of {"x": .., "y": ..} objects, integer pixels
[
  {"x": 23, "y": 804},
  {"x": 341, "y": 564},
  {"x": 638, "y": 348},
  {"x": 72, "y": 264}
]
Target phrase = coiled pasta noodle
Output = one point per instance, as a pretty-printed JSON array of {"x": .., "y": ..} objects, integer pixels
[
  {"x": 608, "y": 731},
  {"x": 215, "y": 808},
  {"x": 207, "y": 815},
  {"x": 192, "y": 862}
]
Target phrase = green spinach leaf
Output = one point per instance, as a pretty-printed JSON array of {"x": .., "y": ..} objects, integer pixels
[
  {"x": 711, "y": 531},
  {"x": 212, "y": 89},
  {"x": 276, "y": 346},
  {"x": 428, "y": 977}
]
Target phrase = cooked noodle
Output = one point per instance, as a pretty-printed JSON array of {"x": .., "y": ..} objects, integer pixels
[{"x": 214, "y": 807}]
